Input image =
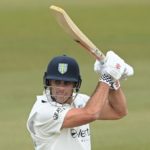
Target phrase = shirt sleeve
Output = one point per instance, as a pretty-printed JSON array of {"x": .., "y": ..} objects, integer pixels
[
  {"x": 50, "y": 122},
  {"x": 81, "y": 100}
]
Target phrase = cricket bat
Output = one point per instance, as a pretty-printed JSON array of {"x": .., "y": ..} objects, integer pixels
[{"x": 78, "y": 36}]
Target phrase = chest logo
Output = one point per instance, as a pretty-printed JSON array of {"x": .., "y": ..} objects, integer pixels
[{"x": 57, "y": 112}]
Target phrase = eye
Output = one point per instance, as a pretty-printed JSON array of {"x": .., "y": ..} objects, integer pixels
[
  {"x": 57, "y": 82},
  {"x": 67, "y": 83}
]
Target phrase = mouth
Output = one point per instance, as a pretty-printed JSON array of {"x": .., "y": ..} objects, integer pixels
[{"x": 61, "y": 97}]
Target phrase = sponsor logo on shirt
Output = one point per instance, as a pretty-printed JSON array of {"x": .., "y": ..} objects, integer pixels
[
  {"x": 57, "y": 112},
  {"x": 81, "y": 133}
]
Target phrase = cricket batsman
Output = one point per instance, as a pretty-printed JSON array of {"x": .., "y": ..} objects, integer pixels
[{"x": 60, "y": 117}]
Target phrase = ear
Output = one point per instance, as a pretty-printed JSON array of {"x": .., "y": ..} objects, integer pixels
[{"x": 45, "y": 81}]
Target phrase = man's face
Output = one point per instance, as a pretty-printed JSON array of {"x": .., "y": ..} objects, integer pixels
[{"x": 62, "y": 90}]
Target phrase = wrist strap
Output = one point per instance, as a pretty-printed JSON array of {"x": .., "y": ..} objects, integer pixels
[{"x": 115, "y": 85}]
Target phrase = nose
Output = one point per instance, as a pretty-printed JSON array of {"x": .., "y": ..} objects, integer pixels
[{"x": 61, "y": 87}]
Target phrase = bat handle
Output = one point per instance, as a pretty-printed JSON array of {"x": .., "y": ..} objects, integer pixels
[{"x": 99, "y": 55}]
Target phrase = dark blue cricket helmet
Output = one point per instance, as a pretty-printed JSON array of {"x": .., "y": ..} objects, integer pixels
[{"x": 63, "y": 68}]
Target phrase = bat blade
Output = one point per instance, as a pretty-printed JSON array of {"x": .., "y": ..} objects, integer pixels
[{"x": 78, "y": 36}]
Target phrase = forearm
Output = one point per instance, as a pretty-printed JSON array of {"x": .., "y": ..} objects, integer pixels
[
  {"x": 97, "y": 100},
  {"x": 117, "y": 100}
]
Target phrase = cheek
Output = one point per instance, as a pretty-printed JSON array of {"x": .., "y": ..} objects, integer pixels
[
  {"x": 53, "y": 90},
  {"x": 69, "y": 90}
]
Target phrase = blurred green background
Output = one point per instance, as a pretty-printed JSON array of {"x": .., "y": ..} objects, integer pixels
[{"x": 30, "y": 37}]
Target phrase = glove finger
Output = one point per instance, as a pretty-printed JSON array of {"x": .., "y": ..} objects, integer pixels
[
  {"x": 129, "y": 70},
  {"x": 97, "y": 67}
]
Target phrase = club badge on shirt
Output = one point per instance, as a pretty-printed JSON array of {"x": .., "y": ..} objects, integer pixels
[{"x": 57, "y": 112}]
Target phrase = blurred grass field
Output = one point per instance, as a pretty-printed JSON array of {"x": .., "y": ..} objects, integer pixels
[{"x": 30, "y": 36}]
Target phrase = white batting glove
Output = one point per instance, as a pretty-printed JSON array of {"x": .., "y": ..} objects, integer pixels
[
  {"x": 106, "y": 78},
  {"x": 128, "y": 72},
  {"x": 98, "y": 66},
  {"x": 113, "y": 65}
]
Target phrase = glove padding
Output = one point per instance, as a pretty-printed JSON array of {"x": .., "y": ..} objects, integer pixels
[
  {"x": 114, "y": 66},
  {"x": 128, "y": 72}
]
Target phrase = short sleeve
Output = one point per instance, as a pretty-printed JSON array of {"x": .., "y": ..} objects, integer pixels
[
  {"x": 81, "y": 100},
  {"x": 49, "y": 122}
]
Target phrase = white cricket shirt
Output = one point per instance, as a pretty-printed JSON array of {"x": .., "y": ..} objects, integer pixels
[{"x": 45, "y": 121}]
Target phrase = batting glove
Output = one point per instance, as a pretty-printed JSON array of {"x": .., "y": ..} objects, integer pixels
[
  {"x": 106, "y": 78},
  {"x": 113, "y": 65},
  {"x": 128, "y": 72}
]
